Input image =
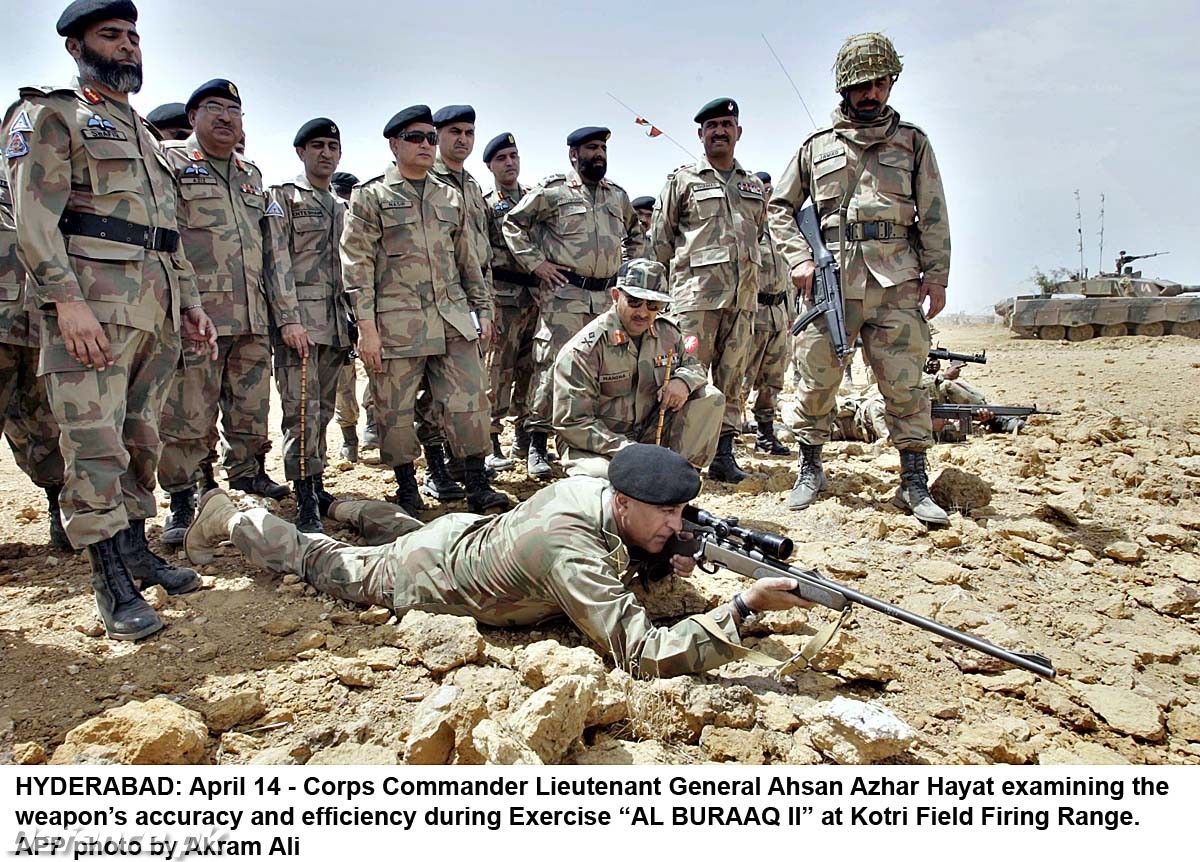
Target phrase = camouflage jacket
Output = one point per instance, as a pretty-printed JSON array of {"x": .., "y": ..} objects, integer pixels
[
  {"x": 409, "y": 261},
  {"x": 900, "y": 184},
  {"x": 557, "y": 553},
  {"x": 312, "y": 223},
  {"x": 477, "y": 210},
  {"x": 590, "y": 230},
  {"x": 773, "y": 279},
  {"x": 606, "y": 383},
  {"x": 498, "y": 204},
  {"x": 14, "y": 316},
  {"x": 705, "y": 232},
  {"x": 235, "y": 241},
  {"x": 69, "y": 148}
]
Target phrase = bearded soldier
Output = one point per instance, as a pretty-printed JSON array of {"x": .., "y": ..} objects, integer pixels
[{"x": 878, "y": 194}]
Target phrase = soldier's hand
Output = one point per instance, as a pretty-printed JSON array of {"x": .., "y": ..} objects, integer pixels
[
  {"x": 673, "y": 394},
  {"x": 802, "y": 277},
  {"x": 486, "y": 331},
  {"x": 552, "y": 275},
  {"x": 296, "y": 337},
  {"x": 937, "y": 298},
  {"x": 984, "y": 415},
  {"x": 370, "y": 348},
  {"x": 199, "y": 330},
  {"x": 85, "y": 338},
  {"x": 682, "y": 565},
  {"x": 773, "y": 594}
]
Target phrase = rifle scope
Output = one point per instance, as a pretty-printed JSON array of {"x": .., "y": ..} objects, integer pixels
[{"x": 770, "y": 544}]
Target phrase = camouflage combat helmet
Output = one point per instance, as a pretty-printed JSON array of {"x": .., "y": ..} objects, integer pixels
[{"x": 863, "y": 58}]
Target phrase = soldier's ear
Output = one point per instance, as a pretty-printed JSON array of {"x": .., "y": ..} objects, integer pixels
[
  {"x": 300, "y": 153},
  {"x": 73, "y": 47}
]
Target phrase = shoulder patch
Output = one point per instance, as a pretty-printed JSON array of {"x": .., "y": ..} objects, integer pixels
[
  {"x": 274, "y": 209},
  {"x": 21, "y": 123},
  {"x": 17, "y": 146}
]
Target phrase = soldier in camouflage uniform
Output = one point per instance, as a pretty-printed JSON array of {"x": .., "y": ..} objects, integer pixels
[
  {"x": 409, "y": 257},
  {"x": 572, "y": 232},
  {"x": 772, "y": 340},
  {"x": 95, "y": 210},
  {"x": 513, "y": 292},
  {"x": 346, "y": 406},
  {"x": 946, "y": 387},
  {"x": 312, "y": 223},
  {"x": 611, "y": 387},
  {"x": 875, "y": 183},
  {"x": 234, "y": 238},
  {"x": 705, "y": 230},
  {"x": 574, "y": 549},
  {"x": 644, "y": 207}
]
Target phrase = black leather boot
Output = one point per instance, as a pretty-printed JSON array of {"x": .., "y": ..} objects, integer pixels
[
  {"x": 724, "y": 468},
  {"x": 496, "y": 460},
  {"x": 324, "y": 498},
  {"x": 261, "y": 484},
  {"x": 767, "y": 443},
  {"x": 482, "y": 497},
  {"x": 208, "y": 481},
  {"x": 58, "y": 534},
  {"x": 439, "y": 484},
  {"x": 520, "y": 446},
  {"x": 350, "y": 444},
  {"x": 183, "y": 507},
  {"x": 147, "y": 567},
  {"x": 408, "y": 496},
  {"x": 308, "y": 515},
  {"x": 537, "y": 464},
  {"x": 126, "y": 615},
  {"x": 370, "y": 438}
]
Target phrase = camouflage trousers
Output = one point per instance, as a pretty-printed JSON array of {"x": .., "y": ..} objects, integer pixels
[
  {"x": 456, "y": 384},
  {"x": 346, "y": 406},
  {"x": 724, "y": 338},
  {"x": 556, "y": 326},
  {"x": 768, "y": 368},
  {"x": 325, "y": 364},
  {"x": 26, "y": 418},
  {"x": 238, "y": 383},
  {"x": 957, "y": 392},
  {"x": 691, "y": 431},
  {"x": 860, "y": 418},
  {"x": 109, "y": 427},
  {"x": 511, "y": 366},
  {"x": 895, "y": 343}
]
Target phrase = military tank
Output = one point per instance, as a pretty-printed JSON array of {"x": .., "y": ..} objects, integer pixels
[{"x": 1109, "y": 304}]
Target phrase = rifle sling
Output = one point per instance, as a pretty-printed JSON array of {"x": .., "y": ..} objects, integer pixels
[{"x": 800, "y": 661}]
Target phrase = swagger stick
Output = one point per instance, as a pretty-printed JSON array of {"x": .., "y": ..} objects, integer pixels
[
  {"x": 662, "y": 411},
  {"x": 303, "y": 417}
]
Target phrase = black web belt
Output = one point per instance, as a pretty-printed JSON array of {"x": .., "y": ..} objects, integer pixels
[
  {"x": 118, "y": 230},
  {"x": 589, "y": 283},
  {"x": 525, "y": 279},
  {"x": 858, "y": 231},
  {"x": 771, "y": 298}
]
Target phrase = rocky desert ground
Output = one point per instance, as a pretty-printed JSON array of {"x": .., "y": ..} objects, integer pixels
[{"x": 1076, "y": 538}]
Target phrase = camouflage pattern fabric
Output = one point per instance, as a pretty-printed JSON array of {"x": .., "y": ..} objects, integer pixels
[
  {"x": 723, "y": 339},
  {"x": 71, "y": 149},
  {"x": 325, "y": 366},
  {"x": 606, "y": 388},
  {"x": 510, "y": 381},
  {"x": 476, "y": 209},
  {"x": 557, "y": 553},
  {"x": 771, "y": 348},
  {"x": 860, "y": 417},
  {"x": 346, "y": 408}
]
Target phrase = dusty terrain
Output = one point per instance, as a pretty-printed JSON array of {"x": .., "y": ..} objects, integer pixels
[{"x": 1086, "y": 553}]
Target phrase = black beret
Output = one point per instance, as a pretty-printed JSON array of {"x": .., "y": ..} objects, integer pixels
[
  {"x": 587, "y": 133},
  {"x": 645, "y": 202},
  {"x": 405, "y": 118},
  {"x": 454, "y": 114},
  {"x": 654, "y": 475},
  {"x": 321, "y": 127},
  {"x": 172, "y": 115},
  {"x": 343, "y": 180},
  {"x": 216, "y": 87},
  {"x": 717, "y": 108},
  {"x": 496, "y": 144},
  {"x": 76, "y": 17},
  {"x": 764, "y": 176}
]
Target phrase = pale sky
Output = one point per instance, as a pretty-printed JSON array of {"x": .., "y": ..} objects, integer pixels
[{"x": 1023, "y": 102}]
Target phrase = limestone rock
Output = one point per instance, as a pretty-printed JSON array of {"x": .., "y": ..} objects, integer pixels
[
  {"x": 1124, "y": 552},
  {"x": 354, "y": 672},
  {"x": 958, "y": 491},
  {"x": 439, "y": 641},
  {"x": 543, "y": 662},
  {"x": 280, "y": 755},
  {"x": 482, "y": 690},
  {"x": 852, "y": 659},
  {"x": 1002, "y": 740},
  {"x": 1124, "y": 711},
  {"x": 611, "y": 703},
  {"x": 29, "y": 754},
  {"x": 431, "y": 739},
  {"x": 224, "y": 713},
  {"x": 689, "y": 707},
  {"x": 383, "y": 658},
  {"x": 724, "y": 744},
  {"x": 496, "y": 744},
  {"x": 1172, "y": 599},
  {"x": 1184, "y": 722},
  {"x": 1170, "y": 536},
  {"x": 554, "y": 717},
  {"x": 1056, "y": 700},
  {"x": 282, "y": 626},
  {"x": 1071, "y": 507},
  {"x": 611, "y": 752},
  {"x": 353, "y": 754},
  {"x": 146, "y": 733},
  {"x": 939, "y": 572},
  {"x": 375, "y": 616},
  {"x": 852, "y": 732},
  {"x": 1082, "y": 754}
]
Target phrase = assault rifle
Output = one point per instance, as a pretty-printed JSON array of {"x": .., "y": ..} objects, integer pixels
[
  {"x": 945, "y": 355},
  {"x": 964, "y": 414},
  {"x": 827, "y": 290},
  {"x": 722, "y": 542}
]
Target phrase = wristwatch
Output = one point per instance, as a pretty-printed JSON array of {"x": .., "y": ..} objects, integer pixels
[{"x": 742, "y": 609}]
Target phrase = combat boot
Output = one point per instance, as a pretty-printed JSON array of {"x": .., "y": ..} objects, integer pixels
[
  {"x": 520, "y": 447},
  {"x": 208, "y": 480},
  {"x": 913, "y": 493},
  {"x": 370, "y": 438},
  {"x": 439, "y": 484},
  {"x": 214, "y": 521},
  {"x": 810, "y": 481},
  {"x": 496, "y": 460},
  {"x": 261, "y": 484},
  {"x": 148, "y": 568},
  {"x": 324, "y": 498},
  {"x": 308, "y": 515},
  {"x": 183, "y": 505},
  {"x": 126, "y": 615},
  {"x": 767, "y": 443},
  {"x": 58, "y": 534},
  {"x": 349, "y": 444},
  {"x": 408, "y": 496},
  {"x": 482, "y": 497},
  {"x": 538, "y": 465},
  {"x": 724, "y": 467}
]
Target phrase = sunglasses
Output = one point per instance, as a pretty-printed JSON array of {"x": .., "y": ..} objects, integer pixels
[
  {"x": 430, "y": 138},
  {"x": 651, "y": 304}
]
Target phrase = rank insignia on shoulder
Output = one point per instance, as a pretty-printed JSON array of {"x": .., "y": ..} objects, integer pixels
[
  {"x": 197, "y": 156},
  {"x": 274, "y": 209},
  {"x": 619, "y": 337},
  {"x": 17, "y": 146},
  {"x": 92, "y": 96},
  {"x": 21, "y": 123},
  {"x": 691, "y": 344}
]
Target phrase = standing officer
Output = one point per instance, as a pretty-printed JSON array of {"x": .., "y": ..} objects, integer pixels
[
  {"x": 346, "y": 408},
  {"x": 769, "y": 353},
  {"x": 875, "y": 183},
  {"x": 705, "y": 230},
  {"x": 572, "y": 232},
  {"x": 94, "y": 204},
  {"x": 234, "y": 238},
  {"x": 409, "y": 257},
  {"x": 644, "y": 207},
  {"x": 626, "y": 378},
  {"x": 312, "y": 222},
  {"x": 511, "y": 371},
  {"x": 170, "y": 121}
]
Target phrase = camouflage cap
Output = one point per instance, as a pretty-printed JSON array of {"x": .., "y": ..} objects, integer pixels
[
  {"x": 644, "y": 278},
  {"x": 865, "y": 57},
  {"x": 654, "y": 475}
]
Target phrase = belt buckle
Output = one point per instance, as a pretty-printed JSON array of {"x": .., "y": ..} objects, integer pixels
[
  {"x": 151, "y": 242},
  {"x": 870, "y": 230}
]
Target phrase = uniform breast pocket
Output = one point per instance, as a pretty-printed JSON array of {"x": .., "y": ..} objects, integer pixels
[
  {"x": 202, "y": 205},
  {"x": 895, "y": 172},
  {"x": 829, "y": 180},
  {"x": 114, "y": 167},
  {"x": 614, "y": 384},
  {"x": 308, "y": 234},
  {"x": 397, "y": 226},
  {"x": 708, "y": 203},
  {"x": 572, "y": 218}
]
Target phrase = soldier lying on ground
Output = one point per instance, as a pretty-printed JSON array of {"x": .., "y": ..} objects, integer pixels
[{"x": 573, "y": 548}]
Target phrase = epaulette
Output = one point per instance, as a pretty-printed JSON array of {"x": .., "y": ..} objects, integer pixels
[
  {"x": 666, "y": 321},
  {"x": 554, "y": 178},
  {"x": 45, "y": 90},
  {"x": 175, "y": 145},
  {"x": 365, "y": 183},
  {"x": 616, "y": 186},
  {"x": 814, "y": 134}
]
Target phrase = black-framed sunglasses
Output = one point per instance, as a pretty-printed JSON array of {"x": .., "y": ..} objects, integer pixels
[
  {"x": 638, "y": 302},
  {"x": 430, "y": 138}
]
